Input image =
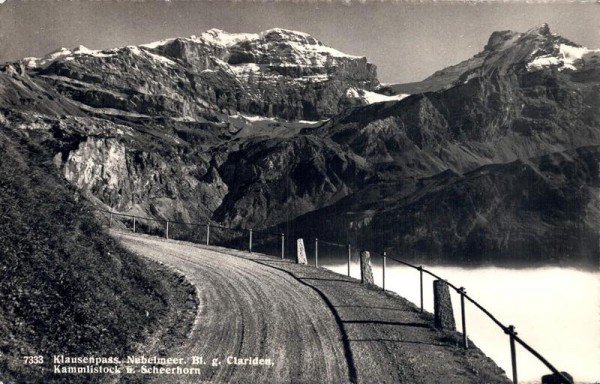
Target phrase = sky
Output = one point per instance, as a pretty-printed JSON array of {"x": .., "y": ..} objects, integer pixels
[{"x": 407, "y": 41}]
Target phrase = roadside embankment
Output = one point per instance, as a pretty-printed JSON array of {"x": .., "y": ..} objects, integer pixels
[{"x": 67, "y": 288}]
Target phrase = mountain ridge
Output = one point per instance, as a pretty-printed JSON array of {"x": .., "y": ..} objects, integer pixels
[
  {"x": 277, "y": 73},
  {"x": 151, "y": 137}
]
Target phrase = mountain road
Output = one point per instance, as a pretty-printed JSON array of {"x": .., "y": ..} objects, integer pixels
[{"x": 261, "y": 319}]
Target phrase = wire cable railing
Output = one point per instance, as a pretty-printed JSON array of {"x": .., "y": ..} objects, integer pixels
[
  {"x": 509, "y": 330},
  {"x": 266, "y": 242},
  {"x": 274, "y": 244}
]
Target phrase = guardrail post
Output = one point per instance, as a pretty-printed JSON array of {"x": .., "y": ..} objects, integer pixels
[
  {"x": 384, "y": 262},
  {"x": 462, "y": 292},
  {"x": 110, "y": 220},
  {"x": 442, "y": 306},
  {"x": 133, "y": 224},
  {"x": 250, "y": 246},
  {"x": 366, "y": 272},
  {"x": 167, "y": 232},
  {"x": 349, "y": 257},
  {"x": 316, "y": 252},
  {"x": 207, "y": 233},
  {"x": 421, "y": 282},
  {"x": 513, "y": 353},
  {"x": 282, "y": 246}
]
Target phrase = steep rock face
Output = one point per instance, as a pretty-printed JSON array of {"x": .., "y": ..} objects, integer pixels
[
  {"x": 128, "y": 169},
  {"x": 186, "y": 93},
  {"x": 159, "y": 184},
  {"x": 275, "y": 73},
  {"x": 286, "y": 73},
  {"x": 19, "y": 92},
  {"x": 544, "y": 210},
  {"x": 275, "y": 180},
  {"x": 184, "y": 173}
]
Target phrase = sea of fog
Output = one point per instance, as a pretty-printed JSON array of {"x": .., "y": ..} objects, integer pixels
[{"x": 555, "y": 310}]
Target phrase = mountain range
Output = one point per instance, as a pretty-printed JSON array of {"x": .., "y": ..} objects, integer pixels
[{"x": 492, "y": 160}]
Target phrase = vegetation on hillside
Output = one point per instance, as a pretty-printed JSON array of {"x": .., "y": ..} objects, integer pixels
[{"x": 66, "y": 286}]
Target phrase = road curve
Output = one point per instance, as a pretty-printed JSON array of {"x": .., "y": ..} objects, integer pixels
[
  {"x": 249, "y": 310},
  {"x": 314, "y": 325}
]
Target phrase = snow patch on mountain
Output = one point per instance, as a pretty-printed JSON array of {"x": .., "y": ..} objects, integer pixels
[
  {"x": 135, "y": 50},
  {"x": 160, "y": 59},
  {"x": 288, "y": 34},
  {"x": 63, "y": 53},
  {"x": 70, "y": 54},
  {"x": 372, "y": 97},
  {"x": 225, "y": 39},
  {"x": 40, "y": 62},
  {"x": 245, "y": 70},
  {"x": 315, "y": 55},
  {"x": 255, "y": 118},
  {"x": 301, "y": 44},
  {"x": 313, "y": 122},
  {"x": 565, "y": 57},
  {"x": 157, "y": 44}
]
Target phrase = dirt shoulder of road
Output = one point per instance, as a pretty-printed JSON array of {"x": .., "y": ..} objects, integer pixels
[
  {"x": 315, "y": 325},
  {"x": 177, "y": 323}
]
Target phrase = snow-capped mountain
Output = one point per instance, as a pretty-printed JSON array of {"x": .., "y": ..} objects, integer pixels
[
  {"x": 275, "y": 128},
  {"x": 509, "y": 52},
  {"x": 277, "y": 73},
  {"x": 524, "y": 94}
]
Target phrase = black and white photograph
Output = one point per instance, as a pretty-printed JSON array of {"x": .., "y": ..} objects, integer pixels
[{"x": 299, "y": 191}]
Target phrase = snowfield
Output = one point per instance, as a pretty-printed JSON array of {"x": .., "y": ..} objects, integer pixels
[
  {"x": 566, "y": 57},
  {"x": 373, "y": 97}
]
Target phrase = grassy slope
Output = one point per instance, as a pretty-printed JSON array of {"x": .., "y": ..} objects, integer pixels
[{"x": 65, "y": 286}]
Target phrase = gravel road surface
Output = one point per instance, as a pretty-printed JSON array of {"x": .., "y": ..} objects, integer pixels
[{"x": 315, "y": 326}]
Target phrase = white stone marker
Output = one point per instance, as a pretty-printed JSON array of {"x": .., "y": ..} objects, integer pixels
[{"x": 301, "y": 252}]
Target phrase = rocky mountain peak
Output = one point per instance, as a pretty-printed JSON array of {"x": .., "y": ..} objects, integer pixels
[
  {"x": 538, "y": 40},
  {"x": 509, "y": 52},
  {"x": 225, "y": 39},
  {"x": 539, "y": 35},
  {"x": 549, "y": 50},
  {"x": 274, "y": 73},
  {"x": 544, "y": 29},
  {"x": 522, "y": 84},
  {"x": 287, "y": 35},
  {"x": 282, "y": 47},
  {"x": 501, "y": 39}
]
